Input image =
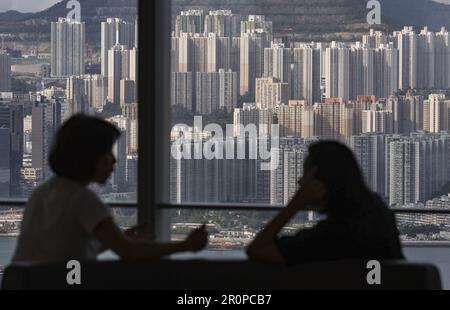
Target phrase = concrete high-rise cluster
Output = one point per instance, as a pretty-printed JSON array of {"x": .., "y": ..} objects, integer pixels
[
  {"x": 218, "y": 181},
  {"x": 181, "y": 90},
  {"x": 357, "y": 70},
  {"x": 340, "y": 119},
  {"x": 271, "y": 92},
  {"x": 86, "y": 93},
  {"x": 306, "y": 74},
  {"x": 377, "y": 120},
  {"x": 67, "y": 48},
  {"x": 47, "y": 116},
  {"x": 5, "y": 72},
  {"x": 252, "y": 115},
  {"x": 11, "y": 146},
  {"x": 437, "y": 113},
  {"x": 222, "y": 23},
  {"x": 122, "y": 75},
  {"x": 418, "y": 167},
  {"x": 30, "y": 119},
  {"x": 284, "y": 179},
  {"x": 216, "y": 91},
  {"x": 404, "y": 169},
  {"x": 191, "y": 21},
  {"x": 375, "y": 38},
  {"x": 369, "y": 150},
  {"x": 115, "y": 31},
  {"x": 277, "y": 64},
  {"x": 207, "y": 43},
  {"x": 423, "y": 58}
]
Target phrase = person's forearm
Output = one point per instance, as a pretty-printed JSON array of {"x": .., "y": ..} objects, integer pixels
[{"x": 273, "y": 228}]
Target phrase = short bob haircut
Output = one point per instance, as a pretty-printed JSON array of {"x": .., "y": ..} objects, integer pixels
[{"x": 79, "y": 144}]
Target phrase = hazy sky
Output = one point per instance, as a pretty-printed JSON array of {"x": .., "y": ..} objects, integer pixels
[
  {"x": 26, "y": 5},
  {"x": 39, "y": 5}
]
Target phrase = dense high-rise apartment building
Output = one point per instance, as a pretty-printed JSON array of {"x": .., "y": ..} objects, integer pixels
[
  {"x": 362, "y": 103},
  {"x": 374, "y": 39},
  {"x": 334, "y": 119},
  {"x": 306, "y": 74},
  {"x": 252, "y": 47},
  {"x": 271, "y": 92},
  {"x": 222, "y": 23},
  {"x": 423, "y": 58},
  {"x": 377, "y": 120},
  {"x": 200, "y": 53},
  {"x": 442, "y": 61},
  {"x": 67, "y": 48},
  {"x": 96, "y": 88},
  {"x": 426, "y": 56},
  {"x": 47, "y": 117},
  {"x": 11, "y": 122},
  {"x": 121, "y": 66},
  {"x": 130, "y": 111},
  {"x": 417, "y": 167},
  {"x": 115, "y": 31},
  {"x": 218, "y": 51},
  {"x": 250, "y": 114},
  {"x": 228, "y": 90},
  {"x": 337, "y": 71},
  {"x": 258, "y": 24},
  {"x": 76, "y": 95},
  {"x": 235, "y": 58},
  {"x": 5, "y": 72},
  {"x": 127, "y": 92},
  {"x": 191, "y": 21},
  {"x": 120, "y": 149},
  {"x": 295, "y": 119},
  {"x": 308, "y": 122},
  {"x": 5, "y": 162},
  {"x": 284, "y": 179},
  {"x": 292, "y": 154},
  {"x": 289, "y": 119},
  {"x": 86, "y": 93},
  {"x": 181, "y": 90},
  {"x": 216, "y": 91},
  {"x": 438, "y": 113},
  {"x": 407, "y": 46},
  {"x": 369, "y": 150},
  {"x": 408, "y": 113},
  {"x": 217, "y": 181},
  {"x": 361, "y": 71},
  {"x": 277, "y": 64},
  {"x": 385, "y": 79}
]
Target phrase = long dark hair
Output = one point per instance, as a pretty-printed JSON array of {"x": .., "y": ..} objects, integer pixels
[
  {"x": 338, "y": 169},
  {"x": 79, "y": 144}
]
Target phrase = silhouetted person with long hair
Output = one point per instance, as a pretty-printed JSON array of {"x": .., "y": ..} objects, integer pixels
[
  {"x": 358, "y": 225},
  {"x": 64, "y": 220}
]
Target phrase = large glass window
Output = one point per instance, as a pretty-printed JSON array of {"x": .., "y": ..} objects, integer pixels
[
  {"x": 59, "y": 58},
  {"x": 253, "y": 85}
]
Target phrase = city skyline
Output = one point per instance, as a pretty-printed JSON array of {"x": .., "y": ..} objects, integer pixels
[
  {"x": 235, "y": 70},
  {"x": 386, "y": 96}
]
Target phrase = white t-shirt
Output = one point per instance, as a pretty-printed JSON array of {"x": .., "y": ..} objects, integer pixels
[{"x": 58, "y": 223}]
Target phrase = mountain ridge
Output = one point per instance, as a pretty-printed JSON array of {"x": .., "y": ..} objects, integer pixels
[{"x": 303, "y": 20}]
